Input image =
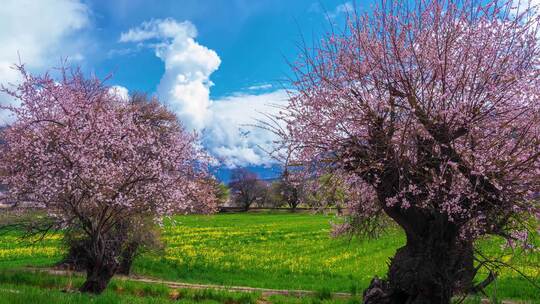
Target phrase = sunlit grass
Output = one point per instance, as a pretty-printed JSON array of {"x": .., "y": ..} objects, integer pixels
[
  {"x": 283, "y": 251},
  {"x": 289, "y": 251}
]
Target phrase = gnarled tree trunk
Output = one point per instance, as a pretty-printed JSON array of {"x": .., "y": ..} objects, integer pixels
[
  {"x": 98, "y": 277},
  {"x": 101, "y": 264},
  {"x": 432, "y": 266}
]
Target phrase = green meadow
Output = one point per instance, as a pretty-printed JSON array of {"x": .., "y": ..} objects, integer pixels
[{"x": 267, "y": 250}]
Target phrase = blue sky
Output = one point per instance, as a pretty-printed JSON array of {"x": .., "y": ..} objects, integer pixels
[
  {"x": 252, "y": 38},
  {"x": 216, "y": 63}
]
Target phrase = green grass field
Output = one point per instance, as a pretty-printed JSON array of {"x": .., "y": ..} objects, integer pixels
[{"x": 282, "y": 251}]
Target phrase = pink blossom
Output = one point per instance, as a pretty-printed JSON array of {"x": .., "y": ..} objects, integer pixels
[{"x": 81, "y": 153}]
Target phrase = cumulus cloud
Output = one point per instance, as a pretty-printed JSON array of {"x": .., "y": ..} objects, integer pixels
[
  {"x": 233, "y": 135},
  {"x": 40, "y": 33},
  {"x": 226, "y": 124},
  {"x": 36, "y": 30},
  {"x": 185, "y": 86}
]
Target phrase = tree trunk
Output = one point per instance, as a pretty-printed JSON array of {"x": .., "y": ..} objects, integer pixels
[
  {"x": 432, "y": 266},
  {"x": 293, "y": 207},
  {"x": 247, "y": 205},
  {"x": 101, "y": 264},
  {"x": 97, "y": 278}
]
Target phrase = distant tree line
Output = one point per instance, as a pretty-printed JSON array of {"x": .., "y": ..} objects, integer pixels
[{"x": 291, "y": 190}]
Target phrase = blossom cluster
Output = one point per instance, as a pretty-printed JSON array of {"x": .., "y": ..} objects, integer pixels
[
  {"x": 87, "y": 156},
  {"x": 433, "y": 107}
]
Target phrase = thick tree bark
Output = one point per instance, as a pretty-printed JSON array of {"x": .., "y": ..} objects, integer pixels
[
  {"x": 101, "y": 264},
  {"x": 432, "y": 266},
  {"x": 97, "y": 278}
]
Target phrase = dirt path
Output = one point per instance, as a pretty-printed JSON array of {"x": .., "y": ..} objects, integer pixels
[
  {"x": 265, "y": 292},
  {"x": 174, "y": 284}
]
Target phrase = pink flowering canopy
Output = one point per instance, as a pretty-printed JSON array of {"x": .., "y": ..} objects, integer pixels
[
  {"x": 429, "y": 107},
  {"x": 84, "y": 155}
]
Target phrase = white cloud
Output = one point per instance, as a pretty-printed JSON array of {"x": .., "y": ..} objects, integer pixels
[
  {"x": 120, "y": 91},
  {"x": 232, "y": 134},
  {"x": 36, "y": 30},
  {"x": 344, "y": 8},
  {"x": 159, "y": 29},
  {"x": 264, "y": 86},
  {"x": 185, "y": 87},
  {"x": 523, "y": 5},
  {"x": 41, "y": 33}
]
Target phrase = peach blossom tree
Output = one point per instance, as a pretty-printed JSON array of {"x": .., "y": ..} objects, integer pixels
[
  {"x": 430, "y": 110},
  {"x": 92, "y": 161}
]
